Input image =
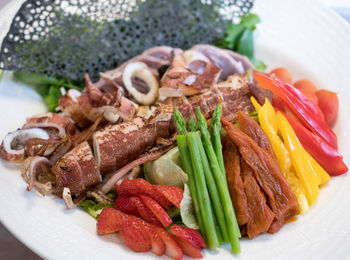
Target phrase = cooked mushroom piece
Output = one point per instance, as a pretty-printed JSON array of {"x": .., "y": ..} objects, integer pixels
[
  {"x": 12, "y": 147},
  {"x": 141, "y": 83}
]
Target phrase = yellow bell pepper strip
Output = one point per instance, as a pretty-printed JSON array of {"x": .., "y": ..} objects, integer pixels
[
  {"x": 300, "y": 159},
  {"x": 267, "y": 120},
  {"x": 328, "y": 158}
]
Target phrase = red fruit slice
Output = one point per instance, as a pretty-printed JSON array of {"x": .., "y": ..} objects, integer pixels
[
  {"x": 188, "y": 248},
  {"x": 110, "y": 220},
  {"x": 172, "y": 249},
  {"x": 173, "y": 193},
  {"x": 135, "y": 187},
  {"x": 157, "y": 210},
  {"x": 135, "y": 237},
  {"x": 144, "y": 212},
  {"x": 190, "y": 235},
  {"x": 158, "y": 246},
  {"x": 125, "y": 205}
]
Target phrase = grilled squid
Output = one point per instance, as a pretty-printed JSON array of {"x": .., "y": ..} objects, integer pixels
[
  {"x": 36, "y": 172},
  {"x": 12, "y": 147},
  {"x": 76, "y": 170},
  {"x": 141, "y": 84},
  {"x": 113, "y": 106},
  {"x": 70, "y": 107},
  {"x": 54, "y": 124}
]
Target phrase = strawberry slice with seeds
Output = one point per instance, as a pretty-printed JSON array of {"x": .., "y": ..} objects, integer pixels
[
  {"x": 172, "y": 249},
  {"x": 187, "y": 247},
  {"x": 144, "y": 212},
  {"x": 110, "y": 220},
  {"x": 135, "y": 237},
  {"x": 190, "y": 235},
  {"x": 135, "y": 187},
  {"x": 125, "y": 205},
  {"x": 157, "y": 210},
  {"x": 173, "y": 193},
  {"x": 158, "y": 246}
]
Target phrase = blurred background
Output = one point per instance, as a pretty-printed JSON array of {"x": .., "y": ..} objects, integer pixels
[{"x": 13, "y": 249}]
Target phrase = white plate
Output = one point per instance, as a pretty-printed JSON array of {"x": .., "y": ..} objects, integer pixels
[{"x": 309, "y": 39}]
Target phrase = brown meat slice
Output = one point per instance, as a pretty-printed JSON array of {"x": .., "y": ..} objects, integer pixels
[
  {"x": 260, "y": 93},
  {"x": 261, "y": 216},
  {"x": 234, "y": 181},
  {"x": 280, "y": 197},
  {"x": 251, "y": 128},
  {"x": 235, "y": 95}
]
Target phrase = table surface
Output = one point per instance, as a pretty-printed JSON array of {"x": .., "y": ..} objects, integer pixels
[{"x": 11, "y": 248}]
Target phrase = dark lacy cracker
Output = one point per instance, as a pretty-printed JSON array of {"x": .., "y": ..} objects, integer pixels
[{"x": 69, "y": 37}]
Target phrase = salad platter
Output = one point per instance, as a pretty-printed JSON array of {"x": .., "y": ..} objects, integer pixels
[{"x": 317, "y": 51}]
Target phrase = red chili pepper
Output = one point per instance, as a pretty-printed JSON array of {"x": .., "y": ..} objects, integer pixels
[
  {"x": 307, "y": 112},
  {"x": 329, "y": 159}
]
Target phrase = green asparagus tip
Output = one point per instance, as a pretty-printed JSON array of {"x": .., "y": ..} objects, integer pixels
[{"x": 179, "y": 122}]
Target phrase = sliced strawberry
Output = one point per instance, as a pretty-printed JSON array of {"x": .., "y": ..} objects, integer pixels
[
  {"x": 158, "y": 246},
  {"x": 190, "y": 235},
  {"x": 135, "y": 187},
  {"x": 110, "y": 220},
  {"x": 187, "y": 247},
  {"x": 144, "y": 212},
  {"x": 135, "y": 237},
  {"x": 157, "y": 210},
  {"x": 173, "y": 193},
  {"x": 172, "y": 249},
  {"x": 125, "y": 205}
]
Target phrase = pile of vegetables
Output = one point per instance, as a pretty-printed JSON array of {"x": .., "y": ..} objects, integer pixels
[
  {"x": 202, "y": 160},
  {"x": 310, "y": 118},
  {"x": 299, "y": 132}
]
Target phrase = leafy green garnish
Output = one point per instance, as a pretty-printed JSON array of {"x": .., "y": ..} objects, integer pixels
[
  {"x": 92, "y": 207},
  {"x": 239, "y": 38},
  {"x": 48, "y": 87}
]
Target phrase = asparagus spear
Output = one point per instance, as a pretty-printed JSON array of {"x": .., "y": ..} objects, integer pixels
[
  {"x": 203, "y": 195},
  {"x": 186, "y": 162},
  {"x": 213, "y": 192},
  {"x": 192, "y": 125},
  {"x": 221, "y": 183},
  {"x": 215, "y": 127},
  {"x": 179, "y": 122}
]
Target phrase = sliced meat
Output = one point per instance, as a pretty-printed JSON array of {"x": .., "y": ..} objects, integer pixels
[
  {"x": 260, "y": 93},
  {"x": 180, "y": 80},
  {"x": 235, "y": 95},
  {"x": 260, "y": 215},
  {"x": 251, "y": 128},
  {"x": 280, "y": 197},
  {"x": 226, "y": 60},
  {"x": 234, "y": 181}
]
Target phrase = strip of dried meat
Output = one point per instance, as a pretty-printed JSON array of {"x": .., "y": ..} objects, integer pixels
[
  {"x": 234, "y": 181},
  {"x": 251, "y": 128},
  {"x": 261, "y": 216},
  {"x": 280, "y": 197}
]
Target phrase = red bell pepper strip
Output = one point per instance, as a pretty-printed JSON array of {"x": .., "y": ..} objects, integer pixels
[
  {"x": 329, "y": 159},
  {"x": 307, "y": 102},
  {"x": 305, "y": 112}
]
